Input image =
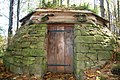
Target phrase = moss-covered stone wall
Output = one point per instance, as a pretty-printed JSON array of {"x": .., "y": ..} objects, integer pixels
[
  {"x": 26, "y": 53},
  {"x": 93, "y": 47}
]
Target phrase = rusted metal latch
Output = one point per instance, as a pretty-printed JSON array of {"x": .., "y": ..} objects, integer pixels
[
  {"x": 60, "y": 30},
  {"x": 58, "y": 64}
]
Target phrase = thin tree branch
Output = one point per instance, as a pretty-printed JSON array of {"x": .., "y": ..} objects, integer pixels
[{"x": 4, "y": 15}]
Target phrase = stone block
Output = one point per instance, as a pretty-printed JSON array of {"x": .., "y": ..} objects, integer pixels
[
  {"x": 33, "y": 52},
  {"x": 80, "y": 64},
  {"x": 84, "y": 31},
  {"x": 118, "y": 56},
  {"x": 113, "y": 40},
  {"x": 77, "y": 26},
  {"x": 79, "y": 74},
  {"x": 98, "y": 46},
  {"x": 9, "y": 49},
  {"x": 33, "y": 46},
  {"x": 102, "y": 62},
  {"x": 33, "y": 39},
  {"x": 99, "y": 38},
  {"x": 16, "y": 69},
  {"x": 82, "y": 47},
  {"x": 41, "y": 39},
  {"x": 89, "y": 63},
  {"x": 28, "y": 60},
  {"x": 85, "y": 39},
  {"x": 104, "y": 55},
  {"x": 75, "y": 49},
  {"x": 25, "y": 69},
  {"x": 6, "y": 62},
  {"x": 108, "y": 47},
  {"x": 24, "y": 44},
  {"x": 92, "y": 50},
  {"x": 39, "y": 60},
  {"x": 81, "y": 56},
  {"x": 17, "y": 60},
  {"x": 77, "y": 32},
  {"x": 91, "y": 56},
  {"x": 40, "y": 44},
  {"x": 10, "y": 59},
  {"x": 35, "y": 69},
  {"x": 43, "y": 27}
]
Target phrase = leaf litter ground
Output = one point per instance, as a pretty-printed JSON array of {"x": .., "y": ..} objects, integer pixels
[{"x": 104, "y": 73}]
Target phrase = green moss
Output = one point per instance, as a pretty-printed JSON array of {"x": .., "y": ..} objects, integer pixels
[
  {"x": 81, "y": 65},
  {"x": 35, "y": 69},
  {"x": 33, "y": 52},
  {"x": 98, "y": 46},
  {"x": 25, "y": 44},
  {"x": 33, "y": 46},
  {"x": 108, "y": 47},
  {"x": 82, "y": 47},
  {"x": 113, "y": 40},
  {"x": 85, "y": 39},
  {"x": 99, "y": 38},
  {"x": 81, "y": 56},
  {"x": 92, "y": 50},
  {"x": 104, "y": 55},
  {"x": 118, "y": 56},
  {"x": 89, "y": 63},
  {"x": 92, "y": 56},
  {"x": 84, "y": 31},
  {"x": 77, "y": 32},
  {"x": 16, "y": 69},
  {"x": 27, "y": 62}
]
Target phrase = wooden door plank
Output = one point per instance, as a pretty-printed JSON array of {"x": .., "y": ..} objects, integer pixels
[
  {"x": 51, "y": 50},
  {"x": 60, "y": 49},
  {"x": 69, "y": 50}
]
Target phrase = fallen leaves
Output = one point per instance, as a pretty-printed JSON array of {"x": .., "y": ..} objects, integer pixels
[
  {"x": 103, "y": 73},
  {"x": 58, "y": 76}
]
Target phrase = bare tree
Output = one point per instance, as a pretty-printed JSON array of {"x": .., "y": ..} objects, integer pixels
[
  {"x": 68, "y": 2},
  {"x": 10, "y": 20},
  {"x": 108, "y": 8},
  {"x": 102, "y": 9},
  {"x": 118, "y": 9},
  {"x": 40, "y": 3},
  {"x": 18, "y": 13},
  {"x": 43, "y": 3},
  {"x": 95, "y": 6},
  {"x": 60, "y": 2}
]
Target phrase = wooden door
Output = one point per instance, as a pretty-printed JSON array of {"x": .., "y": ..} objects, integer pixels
[{"x": 60, "y": 48}]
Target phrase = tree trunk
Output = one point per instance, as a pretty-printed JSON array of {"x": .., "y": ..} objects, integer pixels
[
  {"x": 18, "y": 13},
  {"x": 68, "y": 2},
  {"x": 40, "y": 3},
  {"x": 60, "y": 2},
  {"x": 28, "y": 5},
  {"x": 95, "y": 6},
  {"x": 102, "y": 9},
  {"x": 118, "y": 9},
  {"x": 43, "y": 3},
  {"x": 10, "y": 20},
  {"x": 54, "y": 1},
  {"x": 108, "y": 8}
]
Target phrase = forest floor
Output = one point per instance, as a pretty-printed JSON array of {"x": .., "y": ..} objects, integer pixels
[{"x": 89, "y": 74}]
